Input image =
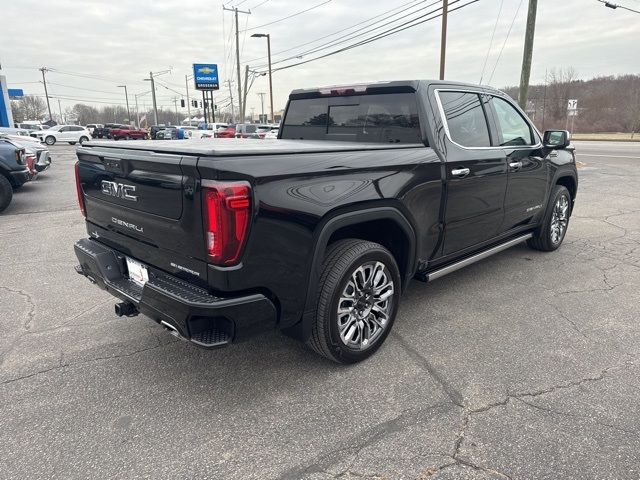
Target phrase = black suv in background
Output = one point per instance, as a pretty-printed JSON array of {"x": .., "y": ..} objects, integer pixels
[
  {"x": 318, "y": 233},
  {"x": 13, "y": 170}
]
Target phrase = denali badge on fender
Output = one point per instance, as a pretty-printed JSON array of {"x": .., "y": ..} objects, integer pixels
[{"x": 119, "y": 190}]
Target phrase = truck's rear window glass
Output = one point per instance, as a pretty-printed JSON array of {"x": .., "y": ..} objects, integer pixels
[
  {"x": 465, "y": 118},
  {"x": 385, "y": 118}
]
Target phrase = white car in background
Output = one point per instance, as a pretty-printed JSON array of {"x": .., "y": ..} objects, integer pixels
[
  {"x": 271, "y": 134},
  {"x": 63, "y": 133}
]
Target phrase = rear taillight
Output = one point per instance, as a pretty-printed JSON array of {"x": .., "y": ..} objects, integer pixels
[
  {"x": 20, "y": 156},
  {"x": 79, "y": 191},
  {"x": 226, "y": 209}
]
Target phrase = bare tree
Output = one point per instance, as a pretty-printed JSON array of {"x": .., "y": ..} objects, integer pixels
[{"x": 28, "y": 107}]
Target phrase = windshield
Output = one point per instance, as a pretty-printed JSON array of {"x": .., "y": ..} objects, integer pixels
[
  {"x": 383, "y": 118},
  {"x": 56, "y": 128}
]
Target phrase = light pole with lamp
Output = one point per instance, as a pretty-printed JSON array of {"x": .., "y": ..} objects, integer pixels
[{"x": 268, "y": 37}]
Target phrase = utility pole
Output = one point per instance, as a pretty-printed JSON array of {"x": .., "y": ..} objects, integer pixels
[
  {"x": 528, "y": 53},
  {"x": 233, "y": 115},
  {"x": 443, "y": 38},
  {"x": 236, "y": 11},
  {"x": 137, "y": 114},
  {"x": 153, "y": 92},
  {"x": 60, "y": 109},
  {"x": 262, "y": 94},
  {"x": 186, "y": 84},
  {"x": 153, "y": 97},
  {"x": 175, "y": 104},
  {"x": 244, "y": 98},
  {"x": 46, "y": 94},
  {"x": 126, "y": 96}
]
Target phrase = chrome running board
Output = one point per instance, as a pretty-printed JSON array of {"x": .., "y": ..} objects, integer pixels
[{"x": 476, "y": 258}]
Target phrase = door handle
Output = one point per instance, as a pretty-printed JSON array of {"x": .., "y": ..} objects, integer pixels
[
  {"x": 515, "y": 165},
  {"x": 460, "y": 172}
]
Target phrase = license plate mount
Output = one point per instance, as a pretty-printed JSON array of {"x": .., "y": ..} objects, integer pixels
[{"x": 138, "y": 272}]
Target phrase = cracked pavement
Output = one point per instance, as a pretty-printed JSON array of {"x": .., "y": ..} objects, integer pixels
[{"x": 522, "y": 366}]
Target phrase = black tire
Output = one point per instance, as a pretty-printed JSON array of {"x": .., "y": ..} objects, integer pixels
[
  {"x": 72, "y": 143},
  {"x": 50, "y": 140},
  {"x": 545, "y": 238},
  {"x": 6, "y": 193},
  {"x": 341, "y": 261},
  {"x": 83, "y": 139}
]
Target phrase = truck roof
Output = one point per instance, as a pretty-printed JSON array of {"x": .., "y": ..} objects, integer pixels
[{"x": 395, "y": 86}]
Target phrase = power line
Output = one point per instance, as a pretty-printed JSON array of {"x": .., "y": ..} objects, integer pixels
[
  {"x": 379, "y": 36},
  {"x": 491, "y": 41},
  {"x": 259, "y": 5},
  {"x": 291, "y": 16},
  {"x": 505, "y": 41},
  {"x": 343, "y": 30},
  {"x": 614, "y": 6},
  {"x": 354, "y": 35}
]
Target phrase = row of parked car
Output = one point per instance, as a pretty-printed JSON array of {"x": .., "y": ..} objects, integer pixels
[{"x": 22, "y": 158}]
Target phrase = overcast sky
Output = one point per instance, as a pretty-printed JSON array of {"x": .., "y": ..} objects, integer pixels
[{"x": 120, "y": 41}]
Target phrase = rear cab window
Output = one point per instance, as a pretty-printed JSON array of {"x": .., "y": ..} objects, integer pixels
[
  {"x": 376, "y": 118},
  {"x": 465, "y": 118}
]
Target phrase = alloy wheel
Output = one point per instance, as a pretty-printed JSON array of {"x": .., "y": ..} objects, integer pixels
[
  {"x": 559, "y": 219},
  {"x": 365, "y": 305}
]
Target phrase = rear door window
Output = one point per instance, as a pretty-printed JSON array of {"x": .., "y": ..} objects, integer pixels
[
  {"x": 465, "y": 118},
  {"x": 382, "y": 118}
]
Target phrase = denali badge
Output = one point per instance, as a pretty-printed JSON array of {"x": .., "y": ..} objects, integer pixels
[
  {"x": 119, "y": 190},
  {"x": 122, "y": 223}
]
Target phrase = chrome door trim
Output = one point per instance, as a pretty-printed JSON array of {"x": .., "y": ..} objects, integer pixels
[{"x": 495, "y": 147}]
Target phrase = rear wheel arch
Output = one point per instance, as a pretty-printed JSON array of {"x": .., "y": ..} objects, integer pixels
[{"x": 351, "y": 223}]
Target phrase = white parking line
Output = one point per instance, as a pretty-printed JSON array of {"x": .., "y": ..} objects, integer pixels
[{"x": 599, "y": 155}]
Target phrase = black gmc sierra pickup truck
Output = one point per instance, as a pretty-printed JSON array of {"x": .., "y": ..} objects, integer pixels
[{"x": 319, "y": 232}]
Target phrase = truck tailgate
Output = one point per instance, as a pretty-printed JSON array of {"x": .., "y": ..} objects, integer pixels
[{"x": 147, "y": 205}]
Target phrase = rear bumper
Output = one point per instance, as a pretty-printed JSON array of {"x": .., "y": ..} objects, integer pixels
[
  {"x": 19, "y": 177},
  {"x": 186, "y": 309}
]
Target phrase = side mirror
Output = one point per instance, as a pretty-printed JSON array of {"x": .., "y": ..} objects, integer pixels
[{"x": 556, "y": 139}]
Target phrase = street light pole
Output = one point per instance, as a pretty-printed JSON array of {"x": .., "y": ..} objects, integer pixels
[
  {"x": 126, "y": 96},
  {"x": 268, "y": 37}
]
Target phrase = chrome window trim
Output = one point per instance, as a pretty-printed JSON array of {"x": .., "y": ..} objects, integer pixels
[{"x": 493, "y": 147}]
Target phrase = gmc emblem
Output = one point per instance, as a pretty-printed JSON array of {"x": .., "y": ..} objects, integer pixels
[{"x": 119, "y": 190}]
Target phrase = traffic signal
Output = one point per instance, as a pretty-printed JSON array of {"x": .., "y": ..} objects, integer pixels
[
  {"x": 194, "y": 103},
  {"x": 182, "y": 102}
]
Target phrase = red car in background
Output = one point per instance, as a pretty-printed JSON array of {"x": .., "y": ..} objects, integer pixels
[
  {"x": 128, "y": 133},
  {"x": 229, "y": 132}
]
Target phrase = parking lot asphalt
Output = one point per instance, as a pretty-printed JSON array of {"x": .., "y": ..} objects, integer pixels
[{"x": 524, "y": 365}]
